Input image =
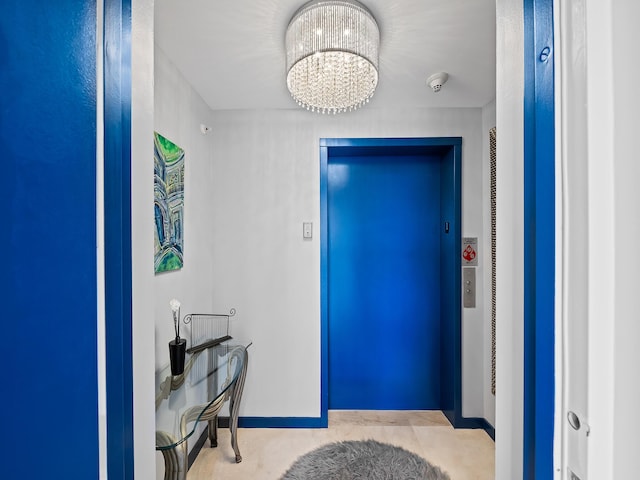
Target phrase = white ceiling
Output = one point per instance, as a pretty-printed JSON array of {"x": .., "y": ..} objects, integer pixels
[{"x": 232, "y": 51}]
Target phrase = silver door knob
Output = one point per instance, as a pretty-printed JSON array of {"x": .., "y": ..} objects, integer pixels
[{"x": 574, "y": 420}]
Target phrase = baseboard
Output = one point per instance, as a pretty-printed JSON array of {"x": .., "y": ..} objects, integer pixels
[
  {"x": 471, "y": 422},
  {"x": 276, "y": 422},
  {"x": 197, "y": 447},
  {"x": 491, "y": 431},
  {"x": 320, "y": 422}
]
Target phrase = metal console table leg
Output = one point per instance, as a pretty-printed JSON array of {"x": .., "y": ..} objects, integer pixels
[
  {"x": 213, "y": 432},
  {"x": 234, "y": 406},
  {"x": 175, "y": 459}
]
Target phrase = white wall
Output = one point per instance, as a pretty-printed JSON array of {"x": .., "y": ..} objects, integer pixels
[
  {"x": 510, "y": 239},
  {"x": 572, "y": 223},
  {"x": 179, "y": 112},
  {"x": 265, "y": 184},
  {"x": 626, "y": 197},
  {"x": 142, "y": 237},
  {"x": 612, "y": 37},
  {"x": 489, "y": 400},
  {"x": 600, "y": 165}
]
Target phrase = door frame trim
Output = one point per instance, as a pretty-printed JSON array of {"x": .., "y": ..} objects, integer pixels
[
  {"x": 117, "y": 238},
  {"x": 539, "y": 241},
  {"x": 359, "y": 144}
]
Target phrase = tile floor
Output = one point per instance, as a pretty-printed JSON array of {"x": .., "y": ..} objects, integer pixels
[{"x": 268, "y": 453}]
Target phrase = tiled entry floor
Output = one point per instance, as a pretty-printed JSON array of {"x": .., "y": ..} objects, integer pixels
[{"x": 268, "y": 453}]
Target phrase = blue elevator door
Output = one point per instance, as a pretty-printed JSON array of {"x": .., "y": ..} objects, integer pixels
[{"x": 384, "y": 282}]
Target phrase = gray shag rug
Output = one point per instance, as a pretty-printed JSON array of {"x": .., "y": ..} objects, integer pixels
[{"x": 367, "y": 459}]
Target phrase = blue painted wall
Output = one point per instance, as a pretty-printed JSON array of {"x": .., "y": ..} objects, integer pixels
[{"x": 48, "y": 240}]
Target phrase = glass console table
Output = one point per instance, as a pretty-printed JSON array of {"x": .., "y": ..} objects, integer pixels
[{"x": 211, "y": 377}]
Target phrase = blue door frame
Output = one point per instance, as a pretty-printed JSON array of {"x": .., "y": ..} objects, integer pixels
[
  {"x": 452, "y": 368},
  {"x": 539, "y": 233},
  {"x": 117, "y": 241}
]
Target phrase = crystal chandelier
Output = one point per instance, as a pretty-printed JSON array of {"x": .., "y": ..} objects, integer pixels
[{"x": 332, "y": 55}]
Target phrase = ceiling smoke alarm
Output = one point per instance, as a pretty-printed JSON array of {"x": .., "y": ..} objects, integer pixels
[{"x": 437, "y": 80}]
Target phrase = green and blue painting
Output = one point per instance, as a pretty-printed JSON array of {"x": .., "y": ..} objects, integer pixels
[{"x": 168, "y": 188}]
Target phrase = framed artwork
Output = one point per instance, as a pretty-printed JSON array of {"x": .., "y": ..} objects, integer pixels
[{"x": 168, "y": 203}]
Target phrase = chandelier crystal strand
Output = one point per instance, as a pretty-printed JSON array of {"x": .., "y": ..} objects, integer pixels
[{"x": 332, "y": 56}]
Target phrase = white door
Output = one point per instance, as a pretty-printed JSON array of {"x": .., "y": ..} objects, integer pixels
[{"x": 572, "y": 331}]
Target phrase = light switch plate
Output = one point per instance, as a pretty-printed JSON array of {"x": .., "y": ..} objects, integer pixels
[{"x": 307, "y": 230}]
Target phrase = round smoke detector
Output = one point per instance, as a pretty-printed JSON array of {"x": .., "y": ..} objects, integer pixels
[{"x": 437, "y": 80}]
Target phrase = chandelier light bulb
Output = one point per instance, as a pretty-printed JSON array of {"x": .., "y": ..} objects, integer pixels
[{"x": 332, "y": 55}]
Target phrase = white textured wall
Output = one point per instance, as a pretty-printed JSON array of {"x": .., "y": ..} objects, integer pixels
[
  {"x": 600, "y": 36},
  {"x": 178, "y": 115},
  {"x": 179, "y": 112},
  {"x": 142, "y": 237},
  {"x": 614, "y": 229},
  {"x": 572, "y": 225},
  {"x": 265, "y": 183},
  {"x": 510, "y": 239},
  {"x": 626, "y": 38}
]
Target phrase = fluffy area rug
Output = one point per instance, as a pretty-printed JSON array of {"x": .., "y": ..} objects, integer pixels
[{"x": 367, "y": 459}]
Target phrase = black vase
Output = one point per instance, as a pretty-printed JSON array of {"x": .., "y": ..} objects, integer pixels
[{"x": 177, "y": 350}]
